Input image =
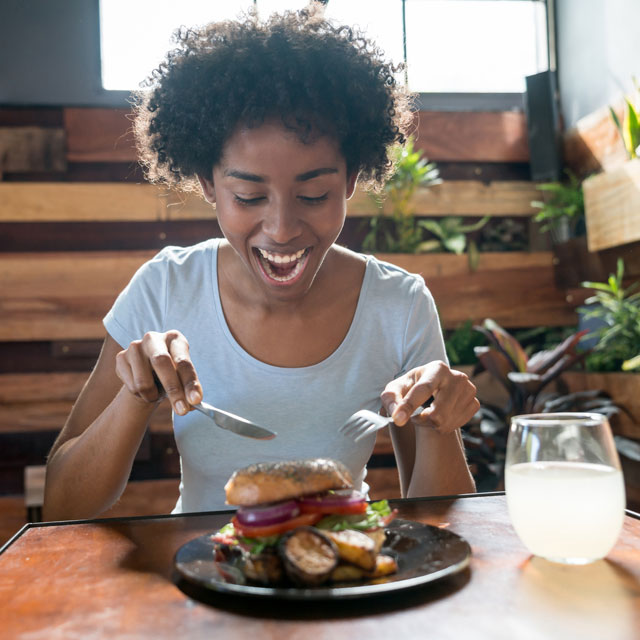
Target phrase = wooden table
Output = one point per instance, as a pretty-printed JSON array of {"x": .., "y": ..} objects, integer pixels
[{"x": 115, "y": 578}]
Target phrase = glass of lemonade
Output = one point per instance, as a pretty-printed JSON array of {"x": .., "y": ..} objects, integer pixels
[{"x": 564, "y": 485}]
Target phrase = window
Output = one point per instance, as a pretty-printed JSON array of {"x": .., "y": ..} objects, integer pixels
[{"x": 453, "y": 48}]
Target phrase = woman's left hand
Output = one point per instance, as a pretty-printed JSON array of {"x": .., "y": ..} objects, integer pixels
[{"x": 454, "y": 397}]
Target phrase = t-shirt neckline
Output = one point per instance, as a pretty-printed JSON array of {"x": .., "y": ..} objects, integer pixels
[{"x": 247, "y": 357}]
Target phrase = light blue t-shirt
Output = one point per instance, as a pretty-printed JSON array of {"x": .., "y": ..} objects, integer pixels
[{"x": 394, "y": 329}]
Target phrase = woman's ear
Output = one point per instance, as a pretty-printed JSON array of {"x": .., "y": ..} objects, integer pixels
[
  {"x": 352, "y": 180},
  {"x": 208, "y": 190}
]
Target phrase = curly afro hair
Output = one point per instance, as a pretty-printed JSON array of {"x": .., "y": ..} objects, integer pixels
[{"x": 318, "y": 78}]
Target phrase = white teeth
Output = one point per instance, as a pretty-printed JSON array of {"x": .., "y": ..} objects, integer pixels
[
  {"x": 278, "y": 258},
  {"x": 268, "y": 258}
]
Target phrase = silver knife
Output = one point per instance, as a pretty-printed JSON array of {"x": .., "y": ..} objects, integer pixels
[
  {"x": 231, "y": 422},
  {"x": 226, "y": 420}
]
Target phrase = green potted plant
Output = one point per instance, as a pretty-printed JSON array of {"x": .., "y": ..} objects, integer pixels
[
  {"x": 400, "y": 231},
  {"x": 562, "y": 210},
  {"x": 465, "y": 282},
  {"x": 562, "y": 214},
  {"x": 612, "y": 198},
  {"x": 615, "y": 355},
  {"x": 527, "y": 380}
]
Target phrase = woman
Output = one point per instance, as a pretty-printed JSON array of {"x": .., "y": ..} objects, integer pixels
[{"x": 274, "y": 122}]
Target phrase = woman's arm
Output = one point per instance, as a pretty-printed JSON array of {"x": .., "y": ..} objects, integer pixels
[
  {"x": 428, "y": 448},
  {"x": 91, "y": 460}
]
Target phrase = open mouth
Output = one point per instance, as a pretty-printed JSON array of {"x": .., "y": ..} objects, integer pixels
[{"x": 282, "y": 267}]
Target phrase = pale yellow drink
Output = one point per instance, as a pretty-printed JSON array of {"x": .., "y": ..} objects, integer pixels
[{"x": 566, "y": 511}]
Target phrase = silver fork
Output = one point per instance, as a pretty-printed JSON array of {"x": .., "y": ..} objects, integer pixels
[{"x": 364, "y": 422}]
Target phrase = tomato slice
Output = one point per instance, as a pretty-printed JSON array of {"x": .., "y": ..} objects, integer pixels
[
  {"x": 249, "y": 531},
  {"x": 330, "y": 509}
]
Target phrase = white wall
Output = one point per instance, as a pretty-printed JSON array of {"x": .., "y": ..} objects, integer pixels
[{"x": 598, "y": 49}]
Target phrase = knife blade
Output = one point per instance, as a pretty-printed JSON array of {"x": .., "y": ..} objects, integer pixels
[{"x": 231, "y": 422}]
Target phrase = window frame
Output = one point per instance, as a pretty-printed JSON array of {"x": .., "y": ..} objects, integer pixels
[{"x": 431, "y": 101}]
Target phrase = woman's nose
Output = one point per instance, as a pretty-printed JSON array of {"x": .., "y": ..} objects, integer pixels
[{"x": 282, "y": 223}]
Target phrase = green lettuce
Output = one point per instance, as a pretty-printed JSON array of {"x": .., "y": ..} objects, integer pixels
[{"x": 370, "y": 519}]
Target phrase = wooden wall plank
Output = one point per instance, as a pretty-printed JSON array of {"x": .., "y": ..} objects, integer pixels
[
  {"x": 29, "y": 149},
  {"x": 18, "y": 388},
  {"x": 99, "y": 135},
  {"x": 462, "y": 198},
  {"x": 42, "y": 401},
  {"x": 515, "y": 289},
  {"x": 56, "y": 201},
  {"x": 31, "y": 117},
  {"x": 59, "y": 296},
  {"x": 473, "y": 136},
  {"x": 64, "y": 296},
  {"x": 103, "y": 201},
  {"x": 104, "y": 135}
]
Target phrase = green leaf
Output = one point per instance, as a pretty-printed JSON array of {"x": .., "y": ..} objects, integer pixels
[
  {"x": 508, "y": 344},
  {"x": 631, "y": 133},
  {"x": 434, "y": 227},
  {"x": 362, "y": 521},
  {"x": 475, "y": 226},
  {"x": 428, "y": 246},
  {"x": 616, "y": 121},
  {"x": 456, "y": 244},
  {"x": 496, "y": 363},
  {"x": 633, "y": 363}
]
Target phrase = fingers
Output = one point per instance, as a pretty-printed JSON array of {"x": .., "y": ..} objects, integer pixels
[
  {"x": 166, "y": 355},
  {"x": 179, "y": 349},
  {"x": 454, "y": 397}
]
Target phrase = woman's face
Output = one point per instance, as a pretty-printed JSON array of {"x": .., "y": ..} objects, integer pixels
[{"x": 281, "y": 204}]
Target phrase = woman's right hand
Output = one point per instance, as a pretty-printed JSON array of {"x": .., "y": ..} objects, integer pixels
[{"x": 167, "y": 356}]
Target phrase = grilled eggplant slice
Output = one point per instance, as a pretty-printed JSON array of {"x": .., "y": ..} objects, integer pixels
[
  {"x": 308, "y": 556},
  {"x": 355, "y": 547}
]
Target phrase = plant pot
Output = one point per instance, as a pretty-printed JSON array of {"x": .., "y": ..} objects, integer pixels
[
  {"x": 624, "y": 389},
  {"x": 612, "y": 206}
]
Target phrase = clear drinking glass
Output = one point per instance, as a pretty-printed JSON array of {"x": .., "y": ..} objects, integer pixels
[{"x": 564, "y": 485}]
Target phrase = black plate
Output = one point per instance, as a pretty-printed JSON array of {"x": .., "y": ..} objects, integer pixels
[{"x": 424, "y": 554}]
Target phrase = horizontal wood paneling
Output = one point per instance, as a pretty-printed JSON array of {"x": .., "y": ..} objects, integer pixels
[
  {"x": 41, "y": 402},
  {"x": 56, "y": 201},
  {"x": 103, "y": 201},
  {"x": 26, "y": 387},
  {"x": 462, "y": 198},
  {"x": 515, "y": 289},
  {"x": 99, "y": 135},
  {"x": 32, "y": 149},
  {"x": 59, "y": 296},
  {"x": 473, "y": 136},
  {"x": 105, "y": 135},
  {"x": 31, "y": 117}
]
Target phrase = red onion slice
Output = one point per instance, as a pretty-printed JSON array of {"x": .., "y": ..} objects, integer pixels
[
  {"x": 268, "y": 514},
  {"x": 345, "y": 497}
]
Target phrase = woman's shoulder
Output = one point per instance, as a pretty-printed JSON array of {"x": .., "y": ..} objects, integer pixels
[
  {"x": 173, "y": 254},
  {"x": 389, "y": 276}
]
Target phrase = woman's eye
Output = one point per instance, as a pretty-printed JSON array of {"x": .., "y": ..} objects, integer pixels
[
  {"x": 247, "y": 201},
  {"x": 315, "y": 200}
]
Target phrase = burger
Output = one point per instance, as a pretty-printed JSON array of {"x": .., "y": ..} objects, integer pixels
[{"x": 300, "y": 522}]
